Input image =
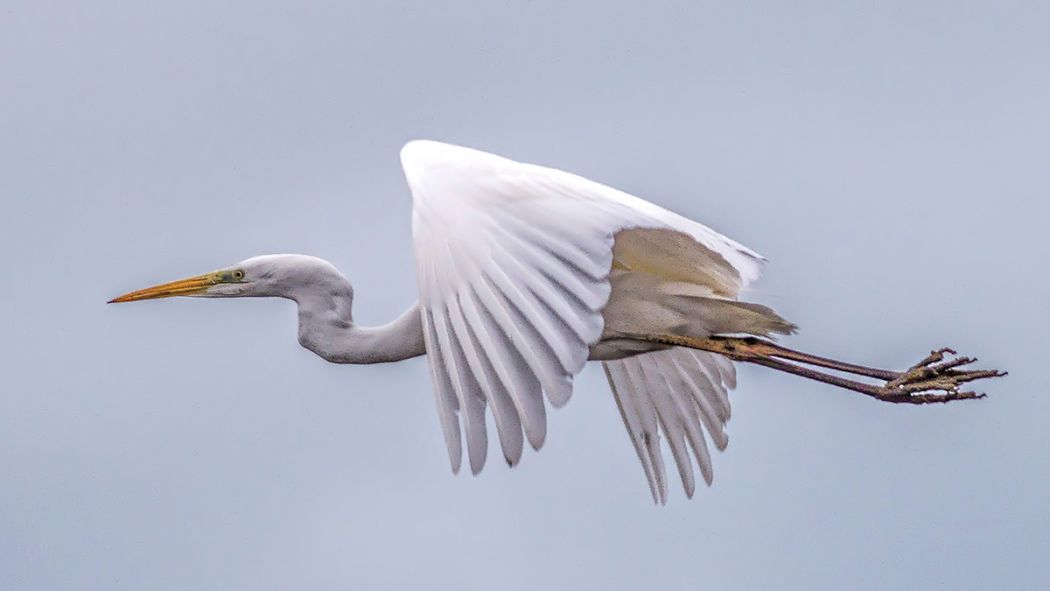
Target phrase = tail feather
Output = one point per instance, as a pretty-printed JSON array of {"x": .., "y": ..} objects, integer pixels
[{"x": 718, "y": 316}]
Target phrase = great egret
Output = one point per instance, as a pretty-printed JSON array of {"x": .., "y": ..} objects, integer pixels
[{"x": 525, "y": 273}]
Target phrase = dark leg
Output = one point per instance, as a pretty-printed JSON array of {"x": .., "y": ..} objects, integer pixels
[
  {"x": 771, "y": 349},
  {"x": 933, "y": 379}
]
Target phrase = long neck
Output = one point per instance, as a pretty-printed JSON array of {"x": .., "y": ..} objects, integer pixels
[{"x": 326, "y": 327}]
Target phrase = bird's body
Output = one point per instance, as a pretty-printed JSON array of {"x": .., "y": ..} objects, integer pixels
[{"x": 526, "y": 273}]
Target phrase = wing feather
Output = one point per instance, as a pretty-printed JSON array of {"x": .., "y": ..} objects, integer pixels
[
  {"x": 465, "y": 386},
  {"x": 513, "y": 262},
  {"x": 618, "y": 383},
  {"x": 537, "y": 353},
  {"x": 512, "y": 369},
  {"x": 669, "y": 418},
  {"x": 646, "y": 410},
  {"x": 508, "y": 426},
  {"x": 552, "y": 330},
  {"x": 684, "y": 396},
  {"x": 674, "y": 384},
  {"x": 445, "y": 395},
  {"x": 708, "y": 395}
]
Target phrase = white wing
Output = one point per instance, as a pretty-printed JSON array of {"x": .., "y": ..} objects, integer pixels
[
  {"x": 513, "y": 264},
  {"x": 682, "y": 392}
]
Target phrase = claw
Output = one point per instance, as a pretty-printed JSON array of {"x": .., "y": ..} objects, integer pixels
[
  {"x": 934, "y": 380},
  {"x": 945, "y": 365}
]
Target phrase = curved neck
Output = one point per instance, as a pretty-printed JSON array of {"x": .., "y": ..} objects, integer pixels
[{"x": 326, "y": 327}]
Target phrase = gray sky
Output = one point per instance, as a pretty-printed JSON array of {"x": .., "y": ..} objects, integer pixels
[{"x": 891, "y": 163}]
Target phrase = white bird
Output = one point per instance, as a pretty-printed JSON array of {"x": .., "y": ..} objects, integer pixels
[{"x": 525, "y": 273}]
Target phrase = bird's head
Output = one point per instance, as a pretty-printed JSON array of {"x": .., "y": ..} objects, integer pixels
[{"x": 278, "y": 275}]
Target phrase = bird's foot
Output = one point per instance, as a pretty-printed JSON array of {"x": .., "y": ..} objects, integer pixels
[{"x": 937, "y": 378}]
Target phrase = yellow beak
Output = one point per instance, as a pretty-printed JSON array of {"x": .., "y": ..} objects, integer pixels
[{"x": 182, "y": 287}]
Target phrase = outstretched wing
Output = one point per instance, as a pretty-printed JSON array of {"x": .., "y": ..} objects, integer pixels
[
  {"x": 513, "y": 265},
  {"x": 682, "y": 393}
]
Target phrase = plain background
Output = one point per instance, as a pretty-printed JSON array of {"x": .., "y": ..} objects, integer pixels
[{"x": 891, "y": 161}]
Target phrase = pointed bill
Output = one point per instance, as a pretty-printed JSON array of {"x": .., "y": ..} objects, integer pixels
[{"x": 183, "y": 287}]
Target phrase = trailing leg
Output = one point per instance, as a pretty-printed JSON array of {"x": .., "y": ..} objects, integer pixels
[{"x": 934, "y": 379}]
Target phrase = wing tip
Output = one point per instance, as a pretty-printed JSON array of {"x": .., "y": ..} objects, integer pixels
[
  {"x": 420, "y": 154},
  {"x": 536, "y": 440},
  {"x": 422, "y": 149}
]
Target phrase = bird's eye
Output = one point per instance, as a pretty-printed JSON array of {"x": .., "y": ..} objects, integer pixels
[{"x": 238, "y": 274}]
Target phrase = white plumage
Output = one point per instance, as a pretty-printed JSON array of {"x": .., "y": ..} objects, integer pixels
[
  {"x": 525, "y": 274},
  {"x": 516, "y": 266}
]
